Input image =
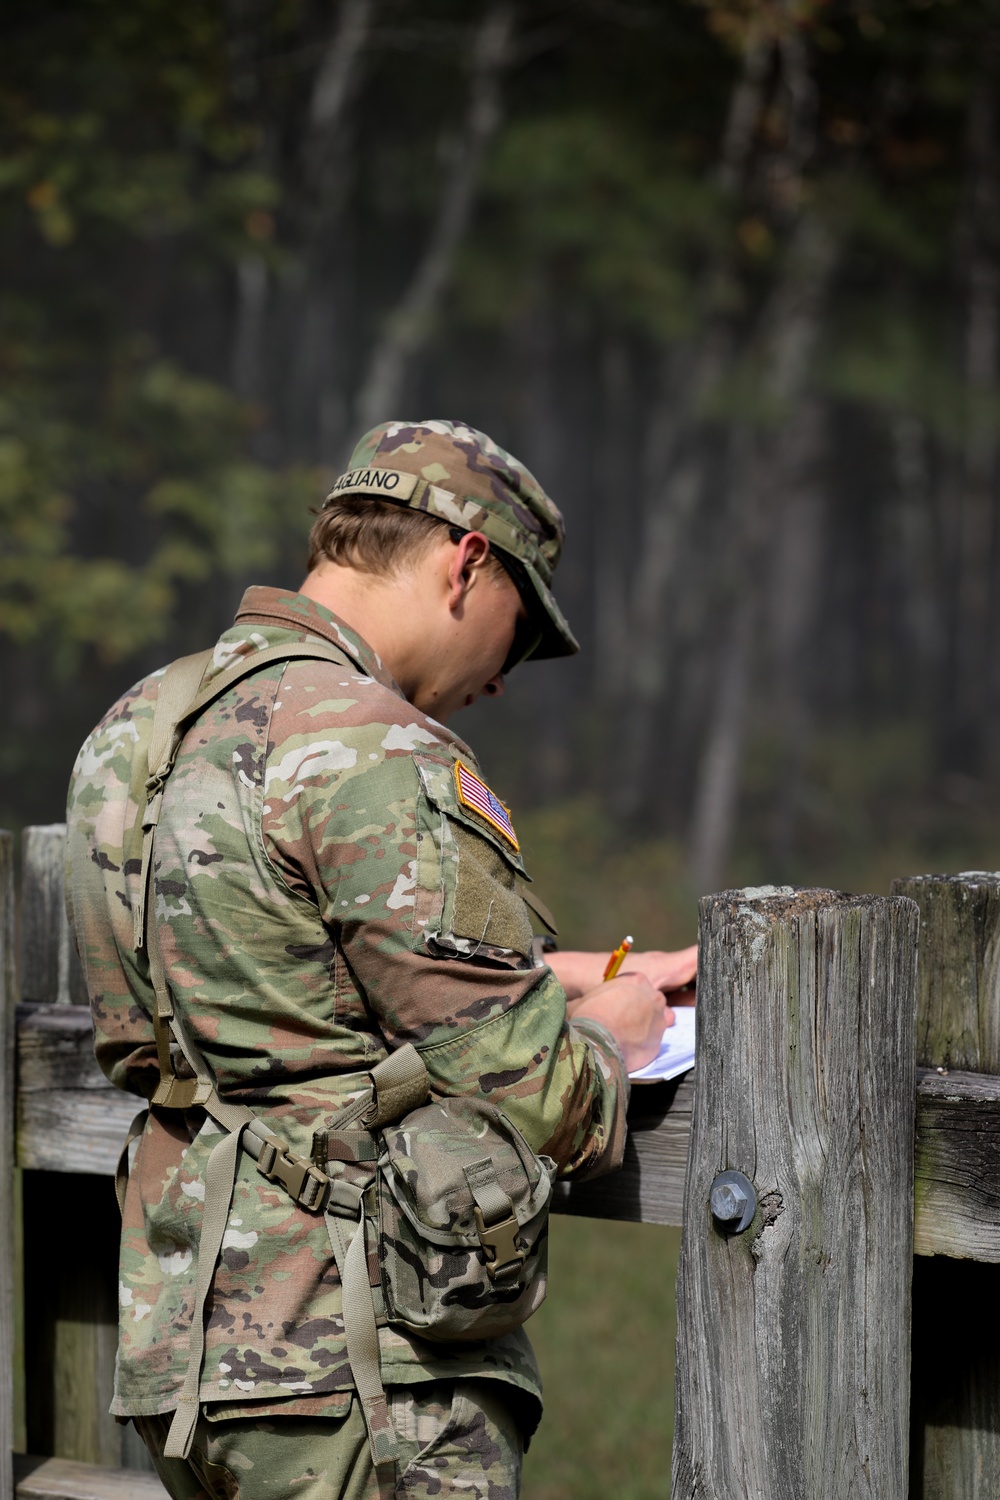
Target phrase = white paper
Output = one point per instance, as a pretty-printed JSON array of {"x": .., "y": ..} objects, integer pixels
[{"x": 676, "y": 1054}]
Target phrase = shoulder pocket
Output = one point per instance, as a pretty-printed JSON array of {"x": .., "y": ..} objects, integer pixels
[{"x": 476, "y": 867}]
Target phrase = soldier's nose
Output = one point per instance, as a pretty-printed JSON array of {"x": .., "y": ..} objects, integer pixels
[{"x": 495, "y": 687}]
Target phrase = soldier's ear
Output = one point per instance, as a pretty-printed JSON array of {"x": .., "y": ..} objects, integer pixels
[{"x": 471, "y": 551}]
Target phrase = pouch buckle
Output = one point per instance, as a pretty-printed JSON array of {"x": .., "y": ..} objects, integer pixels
[
  {"x": 302, "y": 1180},
  {"x": 504, "y": 1256}
]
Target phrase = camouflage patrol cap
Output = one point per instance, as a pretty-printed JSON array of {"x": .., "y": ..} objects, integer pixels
[{"x": 464, "y": 478}]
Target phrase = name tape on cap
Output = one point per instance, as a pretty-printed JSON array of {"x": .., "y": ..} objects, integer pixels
[{"x": 394, "y": 484}]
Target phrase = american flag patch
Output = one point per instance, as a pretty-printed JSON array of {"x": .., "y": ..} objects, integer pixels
[{"x": 476, "y": 795}]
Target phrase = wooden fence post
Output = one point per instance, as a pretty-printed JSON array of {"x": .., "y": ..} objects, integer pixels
[
  {"x": 70, "y": 1216},
  {"x": 955, "y": 1416},
  {"x": 50, "y": 968},
  {"x": 6, "y": 1163},
  {"x": 793, "y": 1337}
]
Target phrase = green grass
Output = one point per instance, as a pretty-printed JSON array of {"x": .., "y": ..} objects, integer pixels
[
  {"x": 605, "y": 1334},
  {"x": 605, "y": 1342}
]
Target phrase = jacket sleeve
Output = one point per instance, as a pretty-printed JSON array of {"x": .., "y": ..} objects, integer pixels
[
  {"x": 421, "y": 894},
  {"x": 99, "y": 891}
]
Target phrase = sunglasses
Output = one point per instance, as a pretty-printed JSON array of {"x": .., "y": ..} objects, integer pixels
[{"x": 527, "y": 631}]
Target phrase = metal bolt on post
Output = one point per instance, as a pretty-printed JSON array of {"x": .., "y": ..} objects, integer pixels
[{"x": 733, "y": 1202}]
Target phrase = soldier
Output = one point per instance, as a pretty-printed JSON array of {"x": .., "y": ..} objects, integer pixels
[{"x": 333, "y": 879}]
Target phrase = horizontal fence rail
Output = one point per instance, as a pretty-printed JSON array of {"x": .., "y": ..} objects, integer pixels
[
  {"x": 794, "y": 1332},
  {"x": 70, "y": 1119}
]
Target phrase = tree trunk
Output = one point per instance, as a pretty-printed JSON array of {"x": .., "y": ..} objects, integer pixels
[
  {"x": 611, "y": 521},
  {"x": 792, "y": 596},
  {"x": 247, "y": 374},
  {"x": 917, "y": 552},
  {"x": 678, "y": 452},
  {"x": 791, "y": 327},
  {"x": 718, "y": 781},
  {"x": 316, "y": 293},
  {"x": 407, "y": 328},
  {"x": 540, "y": 440},
  {"x": 972, "y": 678},
  {"x": 334, "y": 85}
]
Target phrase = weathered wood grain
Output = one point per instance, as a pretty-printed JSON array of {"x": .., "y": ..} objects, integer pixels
[
  {"x": 955, "y": 1407},
  {"x": 956, "y": 1189},
  {"x": 649, "y": 1187},
  {"x": 70, "y": 1126},
  {"x": 71, "y": 1316},
  {"x": 6, "y": 1161},
  {"x": 69, "y": 1118},
  {"x": 958, "y": 977},
  {"x": 50, "y": 967},
  {"x": 60, "y": 1479},
  {"x": 793, "y": 1338},
  {"x": 955, "y": 1417}
]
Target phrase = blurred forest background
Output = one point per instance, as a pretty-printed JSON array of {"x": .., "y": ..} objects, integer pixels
[{"x": 726, "y": 275}]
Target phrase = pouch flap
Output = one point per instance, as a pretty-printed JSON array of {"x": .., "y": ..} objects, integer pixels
[
  {"x": 334, "y": 1404},
  {"x": 425, "y": 1160}
]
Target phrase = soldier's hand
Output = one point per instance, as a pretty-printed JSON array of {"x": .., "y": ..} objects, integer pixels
[
  {"x": 579, "y": 972},
  {"x": 667, "y": 971},
  {"x": 635, "y": 1013}
]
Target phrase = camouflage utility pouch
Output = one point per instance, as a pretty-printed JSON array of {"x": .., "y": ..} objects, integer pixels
[
  {"x": 451, "y": 1237},
  {"x": 463, "y": 1222}
]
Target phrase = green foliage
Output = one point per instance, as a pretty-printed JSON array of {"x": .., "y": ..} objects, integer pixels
[
  {"x": 607, "y": 209},
  {"x": 125, "y": 127},
  {"x": 171, "y": 445},
  {"x": 605, "y": 1343},
  {"x": 126, "y": 476}
]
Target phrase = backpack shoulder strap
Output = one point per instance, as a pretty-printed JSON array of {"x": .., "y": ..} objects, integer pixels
[
  {"x": 179, "y": 687},
  {"x": 181, "y": 697},
  {"x": 179, "y": 701}
]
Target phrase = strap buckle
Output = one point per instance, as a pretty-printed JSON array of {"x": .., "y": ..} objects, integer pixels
[
  {"x": 302, "y": 1180},
  {"x": 504, "y": 1256}
]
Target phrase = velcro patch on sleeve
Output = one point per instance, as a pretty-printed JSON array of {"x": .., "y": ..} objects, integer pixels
[{"x": 477, "y": 797}]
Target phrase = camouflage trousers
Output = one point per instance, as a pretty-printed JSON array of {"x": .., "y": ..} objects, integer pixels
[{"x": 459, "y": 1440}]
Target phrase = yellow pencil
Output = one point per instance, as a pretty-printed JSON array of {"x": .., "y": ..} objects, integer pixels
[{"x": 617, "y": 958}]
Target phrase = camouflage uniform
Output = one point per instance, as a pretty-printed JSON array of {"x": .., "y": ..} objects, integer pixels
[
  {"x": 322, "y": 894},
  {"x": 459, "y": 1441}
]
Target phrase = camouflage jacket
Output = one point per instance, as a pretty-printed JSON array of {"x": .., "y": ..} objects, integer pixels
[{"x": 323, "y": 894}]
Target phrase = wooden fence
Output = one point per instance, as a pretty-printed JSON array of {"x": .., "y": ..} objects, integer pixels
[{"x": 837, "y": 1298}]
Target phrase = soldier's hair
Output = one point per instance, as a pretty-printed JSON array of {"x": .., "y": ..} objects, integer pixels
[{"x": 376, "y": 536}]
